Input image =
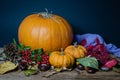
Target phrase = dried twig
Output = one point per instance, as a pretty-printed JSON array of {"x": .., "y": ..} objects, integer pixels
[
  {"x": 50, "y": 73},
  {"x": 78, "y": 71}
]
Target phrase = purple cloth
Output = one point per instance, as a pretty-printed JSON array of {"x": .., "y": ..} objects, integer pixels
[{"x": 90, "y": 40}]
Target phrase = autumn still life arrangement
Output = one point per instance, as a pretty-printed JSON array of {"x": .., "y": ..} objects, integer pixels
[{"x": 47, "y": 42}]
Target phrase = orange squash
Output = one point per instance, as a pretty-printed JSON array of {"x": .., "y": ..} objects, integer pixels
[
  {"x": 48, "y": 31},
  {"x": 77, "y": 51},
  {"x": 60, "y": 59}
]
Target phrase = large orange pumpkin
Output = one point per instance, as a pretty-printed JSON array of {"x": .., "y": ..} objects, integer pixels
[{"x": 48, "y": 31}]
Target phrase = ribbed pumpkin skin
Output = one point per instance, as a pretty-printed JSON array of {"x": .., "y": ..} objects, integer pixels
[
  {"x": 76, "y": 52},
  {"x": 58, "y": 60},
  {"x": 51, "y": 33}
]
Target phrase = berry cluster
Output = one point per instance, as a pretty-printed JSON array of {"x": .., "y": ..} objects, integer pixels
[
  {"x": 25, "y": 59},
  {"x": 45, "y": 59},
  {"x": 26, "y": 56},
  {"x": 44, "y": 64}
]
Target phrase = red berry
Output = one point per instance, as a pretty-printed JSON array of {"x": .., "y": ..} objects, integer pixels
[{"x": 39, "y": 63}]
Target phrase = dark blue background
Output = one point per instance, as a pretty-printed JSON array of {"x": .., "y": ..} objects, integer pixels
[{"x": 86, "y": 16}]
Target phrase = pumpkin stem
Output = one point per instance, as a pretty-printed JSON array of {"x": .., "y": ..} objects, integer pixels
[
  {"x": 62, "y": 51},
  {"x": 45, "y": 14},
  {"x": 46, "y": 10},
  {"x": 75, "y": 44}
]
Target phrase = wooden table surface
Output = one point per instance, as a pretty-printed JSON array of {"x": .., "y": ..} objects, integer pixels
[{"x": 66, "y": 75}]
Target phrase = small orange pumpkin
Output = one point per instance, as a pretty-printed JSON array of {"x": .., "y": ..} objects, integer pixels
[
  {"x": 48, "y": 31},
  {"x": 77, "y": 51},
  {"x": 61, "y": 60}
]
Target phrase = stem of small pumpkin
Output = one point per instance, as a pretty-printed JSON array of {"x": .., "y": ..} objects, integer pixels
[
  {"x": 62, "y": 51},
  {"x": 75, "y": 44}
]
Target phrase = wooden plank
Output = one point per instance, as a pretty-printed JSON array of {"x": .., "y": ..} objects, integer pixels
[
  {"x": 73, "y": 75},
  {"x": 66, "y": 75}
]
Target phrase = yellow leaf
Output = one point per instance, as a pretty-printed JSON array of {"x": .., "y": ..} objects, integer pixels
[{"x": 7, "y": 66}]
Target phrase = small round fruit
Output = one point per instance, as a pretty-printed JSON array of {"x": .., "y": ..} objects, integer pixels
[
  {"x": 44, "y": 67},
  {"x": 23, "y": 66},
  {"x": 80, "y": 67},
  {"x": 104, "y": 68},
  {"x": 39, "y": 63},
  {"x": 90, "y": 70}
]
